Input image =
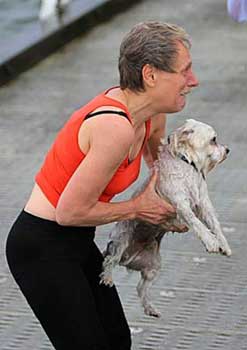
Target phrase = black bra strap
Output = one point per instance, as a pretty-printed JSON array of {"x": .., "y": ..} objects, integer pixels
[{"x": 106, "y": 112}]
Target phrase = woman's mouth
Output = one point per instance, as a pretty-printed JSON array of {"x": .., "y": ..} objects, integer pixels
[{"x": 184, "y": 93}]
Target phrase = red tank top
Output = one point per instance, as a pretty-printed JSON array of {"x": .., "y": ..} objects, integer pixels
[{"x": 64, "y": 156}]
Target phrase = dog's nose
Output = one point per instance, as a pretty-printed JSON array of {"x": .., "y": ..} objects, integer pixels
[{"x": 227, "y": 150}]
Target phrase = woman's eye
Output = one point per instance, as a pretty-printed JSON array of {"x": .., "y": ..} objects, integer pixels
[{"x": 185, "y": 72}]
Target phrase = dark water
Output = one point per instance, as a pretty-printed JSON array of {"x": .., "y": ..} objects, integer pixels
[
  {"x": 16, "y": 14},
  {"x": 20, "y": 26},
  {"x": 16, "y": 18}
]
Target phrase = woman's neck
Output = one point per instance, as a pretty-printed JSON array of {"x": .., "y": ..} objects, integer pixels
[{"x": 138, "y": 103}]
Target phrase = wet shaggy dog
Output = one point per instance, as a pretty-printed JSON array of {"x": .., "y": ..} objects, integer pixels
[{"x": 182, "y": 166}]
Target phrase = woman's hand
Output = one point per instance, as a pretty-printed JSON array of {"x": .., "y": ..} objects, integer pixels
[{"x": 153, "y": 209}]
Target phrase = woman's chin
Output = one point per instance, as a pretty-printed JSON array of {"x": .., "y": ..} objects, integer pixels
[
  {"x": 177, "y": 106},
  {"x": 182, "y": 103}
]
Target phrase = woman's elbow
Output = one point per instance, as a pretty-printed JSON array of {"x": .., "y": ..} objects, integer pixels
[
  {"x": 63, "y": 218},
  {"x": 70, "y": 216},
  {"x": 65, "y": 214}
]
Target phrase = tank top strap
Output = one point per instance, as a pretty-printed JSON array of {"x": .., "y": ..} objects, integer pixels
[
  {"x": 123, "y": 114},
  {"x": 148, "y": 128}
]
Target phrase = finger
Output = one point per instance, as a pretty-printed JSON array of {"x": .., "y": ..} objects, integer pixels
[
  {"x": 173, "y": 229},
  {"x": 182, "y": 228},
  {"x": 170, "y": 209},
  {"x": 178, "y": 228},
  {"x": 154, "y": 176}
]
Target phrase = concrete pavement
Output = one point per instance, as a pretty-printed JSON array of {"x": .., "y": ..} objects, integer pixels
[{"x": 202, "y": 297}]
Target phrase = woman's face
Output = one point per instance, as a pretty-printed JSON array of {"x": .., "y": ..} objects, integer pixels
[{"x": 171, "y": 89}]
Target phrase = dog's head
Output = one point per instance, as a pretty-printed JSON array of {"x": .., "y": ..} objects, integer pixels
[{"x": 197, "y": 142}]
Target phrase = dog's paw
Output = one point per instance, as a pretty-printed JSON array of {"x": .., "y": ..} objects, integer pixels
[
  {"x": 212, "y": 244},
  {"x": 149, "y": 310},
  {"x": 225, "y": 250},
  {"x": 224, "y": 246},
  {"x": 106, "y": 279}
]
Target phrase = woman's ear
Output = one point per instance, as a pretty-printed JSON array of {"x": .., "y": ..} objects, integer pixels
[{"x": 149, "y": 75}]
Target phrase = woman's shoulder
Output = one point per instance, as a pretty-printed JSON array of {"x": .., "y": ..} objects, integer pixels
[{"x": 112, "y": 129}]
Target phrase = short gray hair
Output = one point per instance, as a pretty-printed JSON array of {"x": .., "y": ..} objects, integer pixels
[{"x": 153, "y": 43}]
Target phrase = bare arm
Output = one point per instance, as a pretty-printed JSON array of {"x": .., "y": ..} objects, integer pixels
[
  {"x": 109, "y": 143},
  {"x": 157, "y": 132}
]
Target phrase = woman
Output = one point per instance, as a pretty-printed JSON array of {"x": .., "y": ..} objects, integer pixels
[{"x": 97, "y": 154}]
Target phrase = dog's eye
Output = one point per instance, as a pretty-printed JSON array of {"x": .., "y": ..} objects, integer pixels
[{"x": 213, "y": 140}]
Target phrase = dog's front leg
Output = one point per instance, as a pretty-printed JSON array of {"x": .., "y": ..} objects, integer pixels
[
  {"x": 208, "y": 216},
  {"x": 185, "y": 212}
]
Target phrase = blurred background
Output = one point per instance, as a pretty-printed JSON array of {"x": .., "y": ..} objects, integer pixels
[{"x": 202, "y": 297}]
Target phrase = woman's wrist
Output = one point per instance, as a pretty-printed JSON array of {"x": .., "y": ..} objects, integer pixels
[{"x": 134, "y": 208}]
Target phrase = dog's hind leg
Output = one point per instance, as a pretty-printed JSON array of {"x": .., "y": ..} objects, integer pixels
[
  {"x": 112, "y": 257},
  {"x": 147, "y": 278}
]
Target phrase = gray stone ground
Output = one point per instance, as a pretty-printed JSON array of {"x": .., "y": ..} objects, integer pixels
[{"x": 202, "y": 297}]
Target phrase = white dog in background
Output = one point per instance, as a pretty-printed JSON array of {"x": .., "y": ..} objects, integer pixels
[
  {"x": 50, "y": 8},
  {"x": 182, "y": 166}
]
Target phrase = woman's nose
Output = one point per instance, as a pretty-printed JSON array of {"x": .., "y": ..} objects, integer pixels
[{"x": 193, "y": 81}]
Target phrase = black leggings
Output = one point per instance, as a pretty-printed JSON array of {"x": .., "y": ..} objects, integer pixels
[{"x": 57, "y": 269}]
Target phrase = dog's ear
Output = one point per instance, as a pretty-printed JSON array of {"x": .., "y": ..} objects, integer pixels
[
  {"x": 178, "y": 138},
  {"x": 185, "y": 134}
]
